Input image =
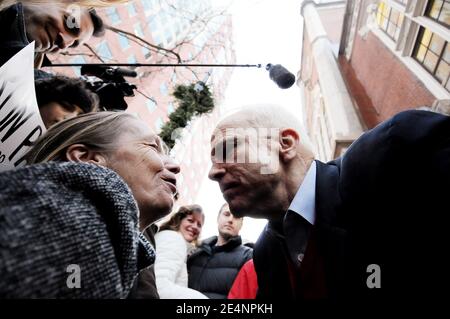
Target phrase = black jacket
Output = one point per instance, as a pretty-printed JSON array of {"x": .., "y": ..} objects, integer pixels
[
  {"x": 382, "y": 203},
  {"x": 13, "y": 37},
  {"x": 212, "y": 269}
]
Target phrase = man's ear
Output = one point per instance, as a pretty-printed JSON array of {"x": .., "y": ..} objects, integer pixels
[
  {"x": 289, "y": 142},
  {"x": 82, "y": 153}
]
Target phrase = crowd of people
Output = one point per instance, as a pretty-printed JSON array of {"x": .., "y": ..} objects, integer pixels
[{"x": 366, "y": 225}]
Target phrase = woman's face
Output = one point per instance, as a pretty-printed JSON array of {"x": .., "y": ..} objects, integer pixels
[
  {"x": 140, "y": 160},
  {"x": 191, "y": 226}
]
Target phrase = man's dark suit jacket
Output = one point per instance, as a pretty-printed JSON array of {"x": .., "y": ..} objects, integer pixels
[{"x": 384, "y": 203}]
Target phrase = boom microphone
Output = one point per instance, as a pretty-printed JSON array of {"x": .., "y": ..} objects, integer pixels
[
  {"x": 280, "y": 75},
  {"x": 125, "y": 72}
]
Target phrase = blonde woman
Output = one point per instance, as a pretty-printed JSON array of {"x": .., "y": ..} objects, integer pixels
[
  {"x": 173, "y": 242},
  {"x": 96, "y": 182}
]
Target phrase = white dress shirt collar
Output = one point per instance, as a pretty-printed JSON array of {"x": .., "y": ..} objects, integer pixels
[{"x": 304, "y": 202}]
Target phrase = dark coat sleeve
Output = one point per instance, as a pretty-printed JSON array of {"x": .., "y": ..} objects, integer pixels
[
  {"x": 393, "y": 185},
  {"x": 418, "y": 141}
]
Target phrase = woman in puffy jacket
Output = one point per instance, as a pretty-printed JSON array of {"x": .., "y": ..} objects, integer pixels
[{"x": 175, "y": 239}]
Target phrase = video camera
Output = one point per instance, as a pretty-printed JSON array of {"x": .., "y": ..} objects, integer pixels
[{"x": 112, "y": 86}]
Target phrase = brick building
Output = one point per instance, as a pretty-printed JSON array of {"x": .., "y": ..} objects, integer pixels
[
  {"x": 162, "y": 23},
  {"x": 364, "y": 61}
]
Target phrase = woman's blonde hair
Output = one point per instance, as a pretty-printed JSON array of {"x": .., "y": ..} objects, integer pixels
[
  {"x": 84, "y": 3},
  {"x": 98, "y": 131},
  {"x": 183, "y": 212}
]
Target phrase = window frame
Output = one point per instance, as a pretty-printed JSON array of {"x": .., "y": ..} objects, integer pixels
[
  {"x": 428, "y": 8},
  {"x": 397, "y": 24},
  {"x": 440, "y": 56}
]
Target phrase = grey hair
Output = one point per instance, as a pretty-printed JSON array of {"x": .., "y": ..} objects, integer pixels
[{"x": 98, "y": 131}]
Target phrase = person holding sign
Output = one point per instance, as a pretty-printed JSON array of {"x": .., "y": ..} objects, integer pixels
[
  {"x": 60, "y": 97},
  {"x": 70, "y": 223},
  {"x": 53, "y": 27}
]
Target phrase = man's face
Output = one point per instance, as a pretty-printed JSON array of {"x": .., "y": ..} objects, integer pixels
[
  {"x": 228, "y": 225},
  {"x": 54, "y": 28},
  {"x": 141, "y": 161},
  {"x": 54, "y": 112},
  {"x": 240, "y": 170}
]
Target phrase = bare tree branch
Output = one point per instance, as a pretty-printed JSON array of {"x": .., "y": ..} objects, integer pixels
[
  {"x": 130, "y": 34},
  {"x": 190, "y": 26},
  {"x": 77, "y": 54},
  {"x": 93, "y": 52}
]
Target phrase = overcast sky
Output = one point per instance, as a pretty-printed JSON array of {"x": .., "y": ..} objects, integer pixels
[{"x": 265, "y": 31}]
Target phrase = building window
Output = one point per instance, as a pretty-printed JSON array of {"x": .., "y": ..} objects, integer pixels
[
  {"x": 153, "y": 23},
  {"x": 146, "y": 52},
  {"x": 439, "y": 10},
  {"x": 433, "y": 52},
  {"x": 163, "y": 89},
  {"x": 221, "y": 57},
  {"x": 170, "y": 109},
  {"x": 123, "y": 40},
  {"x": 163, "y": 16},
  {"x": 151, "y": 105},
  {"x": 158, "y": 124},
  {"x": 132, "y": 59},
  {"x": 389, "y": 20},
  {"x": 76, "y": 60},
  {"x": 148, "y": 5},
  {"x": 157, "y": 39},
  {"x": 172, "y": 12},
  {"x": 131, "y": 9},
  {"x": 104, "y": 51},
  {"x": 404, "y": 2},
  {"x": 178, "y": 28},
  {"x": 168, "y": 35},
  {"x": 138, "y": 30},
  {"x": 113, "y": 15}
]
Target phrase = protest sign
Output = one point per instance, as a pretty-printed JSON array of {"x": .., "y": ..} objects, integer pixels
[{"x": 20, "y": 121}]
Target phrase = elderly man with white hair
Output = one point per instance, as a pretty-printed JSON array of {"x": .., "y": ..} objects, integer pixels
[{"x": 366, "y": 225}]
